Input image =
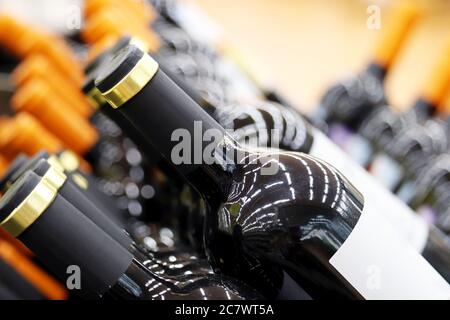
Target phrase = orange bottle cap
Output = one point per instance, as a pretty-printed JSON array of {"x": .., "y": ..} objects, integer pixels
[
  {"x": 113, "y": 22},
  {"x": 37, "y": 66},
  {"x": 438, "y": 85},
  {"x": 38, "y": 99},
  {"x": 396, "y": 30},
  {"x": 16, "y": 36},
  {"x": 43, "y": 282},
  {"x": 25, "y": 134},
  {"x": 143, "y": 12}
]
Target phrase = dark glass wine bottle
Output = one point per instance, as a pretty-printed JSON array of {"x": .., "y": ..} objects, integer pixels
[
  {"x": 65, "y": 239},
  {"x": 269, "y": 212},
  {"x": 175, "y": 256},
  {"x": 294, "y": 134},
  {"x": 112, "y": 222},
  {"x": 253, "y": 125},
  {"x": 191, "y": 230},
  {"x": 385, "y": 125},
  {"x": 347, "y": 104},
  {"x": 254, "y": 122}
]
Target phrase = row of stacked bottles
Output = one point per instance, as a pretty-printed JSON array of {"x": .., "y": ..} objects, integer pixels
[
  {"x": 89, "y": 183},
  {"x": 407, "y": 152}
]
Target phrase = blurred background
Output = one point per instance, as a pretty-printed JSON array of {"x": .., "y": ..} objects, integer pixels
[{"x": 303, "y": 46}]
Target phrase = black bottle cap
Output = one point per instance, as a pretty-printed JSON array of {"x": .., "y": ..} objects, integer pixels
[
  {"x": 61, "y": 236},
  {"x": 12, "y": 169},
  {"x": 118, "y": 67},
  {"x": 28, "y": 165},
  {"x": 94, "y": 68}
]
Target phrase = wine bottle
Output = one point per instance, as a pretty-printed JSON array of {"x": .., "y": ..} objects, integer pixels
[
  {"x": 61, "y": 236},
  {"x": 248, "y": 122},
  {"x": 294, "y": 134},
  {"x": 300, "y": 219},
  {"x": 167, "y": 195},
  {"x": 102, "y": 216},
  {"x": 106, "y": 220},
  {"x": 346, "y": 105},
  {"x": 385, "y": 126}
]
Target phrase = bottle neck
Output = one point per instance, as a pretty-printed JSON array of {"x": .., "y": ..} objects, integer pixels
[
  {"x": 186, "y": 87},
  {"x": 183, "y": 133}
]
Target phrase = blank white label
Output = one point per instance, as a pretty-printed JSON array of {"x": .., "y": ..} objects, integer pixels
[{"x": 381, "y": 265}]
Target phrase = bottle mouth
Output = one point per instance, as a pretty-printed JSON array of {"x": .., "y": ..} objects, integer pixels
[
  {"x": 27, "y": 199},
  {"x": 93, "y": 94},
  {"x": 126, "y": 74}
]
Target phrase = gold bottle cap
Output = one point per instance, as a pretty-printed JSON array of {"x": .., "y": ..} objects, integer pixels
[
  {"x": 35, "y": 204},
  {"x": 95, "y": 98},
  {"x": 143, "y": 69}
]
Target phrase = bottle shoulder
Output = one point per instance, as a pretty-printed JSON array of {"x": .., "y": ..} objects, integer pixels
[{"x": 291, "y": 191}]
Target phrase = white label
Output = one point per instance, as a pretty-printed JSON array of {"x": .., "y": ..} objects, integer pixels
[
  {"x": 381, "y": 265},
  {"x": 410, "y": 226}
]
